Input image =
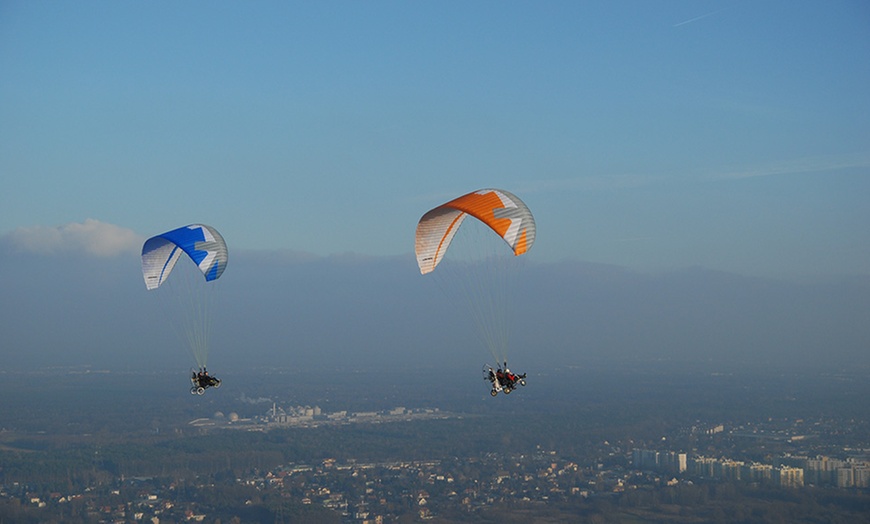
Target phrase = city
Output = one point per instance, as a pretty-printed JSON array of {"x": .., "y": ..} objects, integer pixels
[
  {"x": 286, "y": 461},
  {"x": 307, "y": 416}
]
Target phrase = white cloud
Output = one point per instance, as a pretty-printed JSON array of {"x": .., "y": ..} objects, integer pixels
[{"x": 91, "y": 236}]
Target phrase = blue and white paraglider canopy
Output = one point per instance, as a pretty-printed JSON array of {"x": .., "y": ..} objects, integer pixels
[{"x": 203, "y": 244}]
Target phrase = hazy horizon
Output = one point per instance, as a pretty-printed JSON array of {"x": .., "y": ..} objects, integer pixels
[{"x": 286, "y": 309}]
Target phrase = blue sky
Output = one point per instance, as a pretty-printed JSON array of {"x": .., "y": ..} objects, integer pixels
[{"x": 649, "y": 135}]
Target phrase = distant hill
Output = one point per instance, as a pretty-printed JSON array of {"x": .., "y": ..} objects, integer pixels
[{"x": 296, "y": 310}]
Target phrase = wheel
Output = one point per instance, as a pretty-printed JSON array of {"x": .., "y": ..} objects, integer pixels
[
  {"x": 493, "y": 392},
  {"x": 522, "y": 382},
  {"x": 507, "y": 391},
  {"x": 217, "y": 382},
  {"x": 200, "y": 390},
  {"x": 193, "y": 390}
]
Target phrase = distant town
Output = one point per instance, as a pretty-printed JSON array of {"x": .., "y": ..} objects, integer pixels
[
  {"x": 374, "y": 492},
  {"x": 599, "y": 458},
  {"x": 307, "y": 416}
]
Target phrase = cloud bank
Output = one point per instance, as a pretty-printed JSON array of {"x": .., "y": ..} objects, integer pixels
[{"x": 90, "y": 237}]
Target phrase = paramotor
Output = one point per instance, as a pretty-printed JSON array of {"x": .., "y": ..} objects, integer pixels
[
  {"x": 187, "y": 298},
  {"x": 480, "y": 271}
]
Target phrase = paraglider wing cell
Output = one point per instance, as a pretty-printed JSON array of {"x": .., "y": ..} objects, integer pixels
[{"x": 502, "y": 211}]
